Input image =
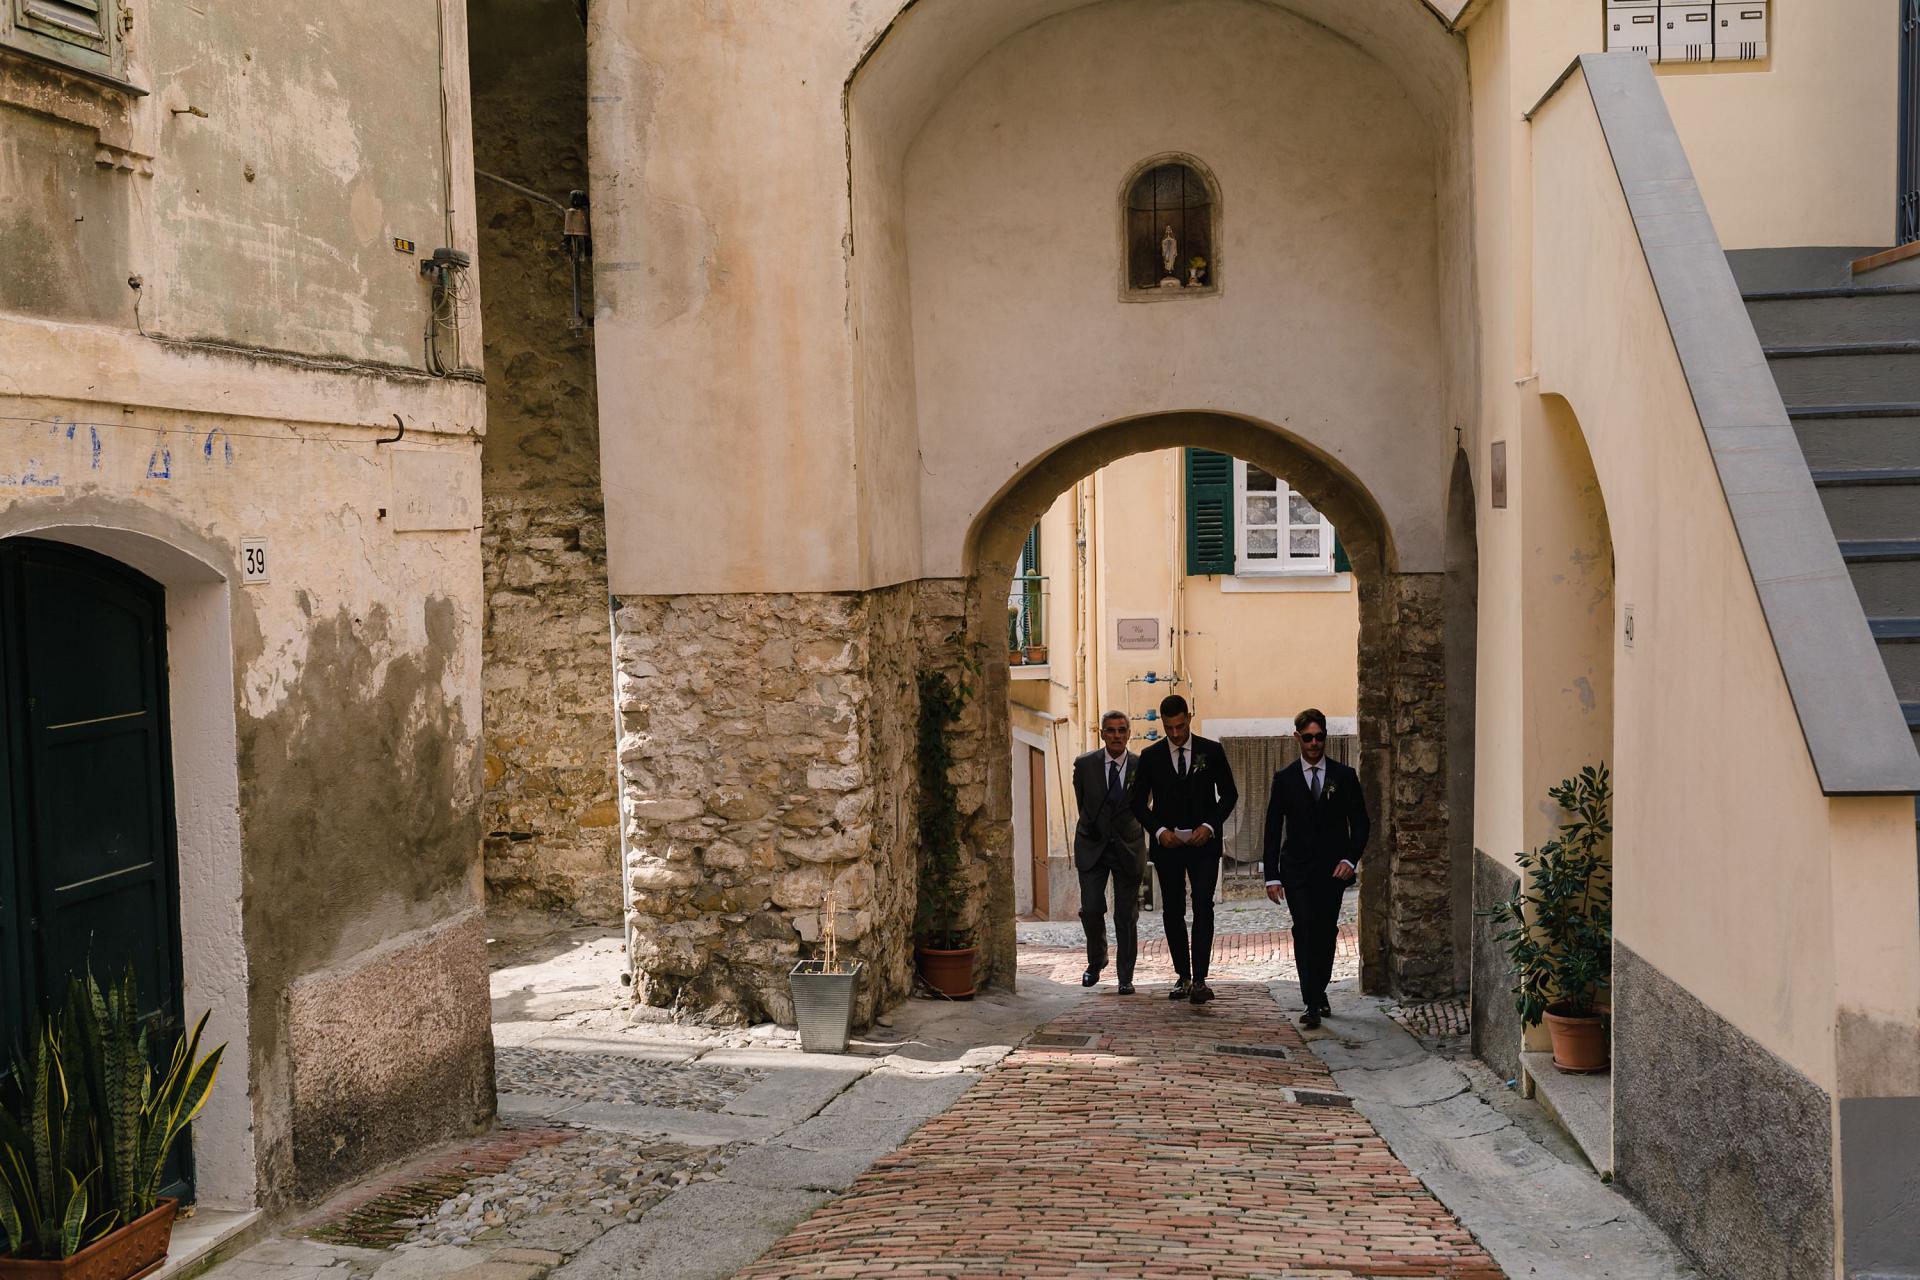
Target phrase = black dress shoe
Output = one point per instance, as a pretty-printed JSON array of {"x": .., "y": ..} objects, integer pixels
[
  {"x": 1090, "y": 977},
  {"x": 1201, "y": 993},
  {"x": 1310, "y": 1019},
  {"x": 1325, "y": 1010},
  {"x": 1126, "y": 988},
  {"x": 1179, "y": 991}
]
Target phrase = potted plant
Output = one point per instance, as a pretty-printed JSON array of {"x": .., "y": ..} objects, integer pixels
[
  {"x": 823, "y": 991},
  {"x": 1196, "y": 267},
  {"x": 1037, "y": 654},
  {"x": 87, "y": 1122},
  {"x": 1015, "y": 650},
  {"x": 946, "y": 950},
  {"x": 1559, "y": 931}
]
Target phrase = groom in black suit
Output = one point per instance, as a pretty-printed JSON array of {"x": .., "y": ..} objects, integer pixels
[
  {"x": 1182, "y": 795},
  {"x": 1316, "y": 832}
]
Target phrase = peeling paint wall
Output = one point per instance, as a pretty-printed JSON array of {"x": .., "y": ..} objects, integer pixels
[
  {"x": 254, "y": 193},
  {"x": 552, "y": 823}
]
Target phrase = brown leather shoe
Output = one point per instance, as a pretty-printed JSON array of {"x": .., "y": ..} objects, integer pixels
[{"x": 1201, "y": 993}]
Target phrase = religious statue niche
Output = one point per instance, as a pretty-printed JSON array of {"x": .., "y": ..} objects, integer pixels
[{"x": 1169, "y": 230}]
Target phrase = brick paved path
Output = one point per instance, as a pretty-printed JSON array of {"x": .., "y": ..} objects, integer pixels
[{"x": 1151, "y": 1154}]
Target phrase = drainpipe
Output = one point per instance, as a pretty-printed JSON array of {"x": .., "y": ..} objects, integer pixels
[{"x": 1082, "y": 592}]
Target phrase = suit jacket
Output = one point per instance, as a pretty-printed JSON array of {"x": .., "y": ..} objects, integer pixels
[
  {"x": 1162, "y": 798},
  {"x": 1104, "y": 824},
  {"x": 1307, "y": 838}
]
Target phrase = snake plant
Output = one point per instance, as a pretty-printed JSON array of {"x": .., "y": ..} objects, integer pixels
[{"x": 88, "y": 1120}]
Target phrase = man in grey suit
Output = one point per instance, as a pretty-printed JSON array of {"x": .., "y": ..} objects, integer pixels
[{"x": 1108, "y": 843}]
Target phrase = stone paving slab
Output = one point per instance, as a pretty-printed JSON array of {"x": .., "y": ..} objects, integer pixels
[
  {"x": 1490, "y": 1156},
  {"x": 1149, "y": 1154},
  {"x": 706, "y": 1232}
]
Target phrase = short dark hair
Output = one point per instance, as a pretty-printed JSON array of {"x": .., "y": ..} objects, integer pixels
[
  {"x": 1312, "y": 715},
  {"x": 1111, "y": 716},
  {"x": 1172, "y": 705}
]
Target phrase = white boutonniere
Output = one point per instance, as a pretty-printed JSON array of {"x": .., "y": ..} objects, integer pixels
[
  {"x": 1326, "y": 792},
  {"x": 1199, "y": 765}
]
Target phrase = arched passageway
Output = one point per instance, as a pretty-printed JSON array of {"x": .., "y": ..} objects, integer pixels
[
  {"x": 1407, "y": 923},
  {"x": 926, "y": 354}
]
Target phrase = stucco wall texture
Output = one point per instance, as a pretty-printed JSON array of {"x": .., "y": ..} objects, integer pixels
[{"x": 327, "y": 759}]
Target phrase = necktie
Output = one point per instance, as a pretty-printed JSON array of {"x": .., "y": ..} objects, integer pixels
[
  {"x": 1114, "y": 775},
  {"x": 1183, "y": 762},
  {"x": 1314, "y": 773}
]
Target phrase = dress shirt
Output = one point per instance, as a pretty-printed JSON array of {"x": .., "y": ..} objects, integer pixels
[{"x": 1316, "y": 775}]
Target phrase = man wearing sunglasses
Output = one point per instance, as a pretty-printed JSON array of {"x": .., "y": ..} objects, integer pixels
[{"x": 1316, "y": 832}]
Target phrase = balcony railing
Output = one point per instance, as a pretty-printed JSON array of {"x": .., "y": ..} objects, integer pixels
[{"x": 1027, "y": 620}]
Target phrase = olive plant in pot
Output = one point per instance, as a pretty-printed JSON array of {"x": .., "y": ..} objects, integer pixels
[
  {"x": 1559, "y": 929},
  {"x": 823, "y": 990},
  {"x": 946, "y": 950},
  {"x": 87, "y": 1122}
]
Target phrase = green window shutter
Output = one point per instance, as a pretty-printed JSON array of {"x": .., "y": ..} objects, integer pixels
[
  {"x": 1209, "y": 511},
  {"x": 1030, "y": 553},
  {"x": 1340, "y": 562}
]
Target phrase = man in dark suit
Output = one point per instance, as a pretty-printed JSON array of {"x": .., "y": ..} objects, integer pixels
[
  {"x": 1182, "y": 796},
  {"x": 1316, "y": 832},
  {"x": 1109, "y": 844}
]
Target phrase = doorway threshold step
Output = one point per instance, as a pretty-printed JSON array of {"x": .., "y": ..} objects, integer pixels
[
  {"x": 209, "y": 1237},
  {"x": 1580, "y": 1104}
]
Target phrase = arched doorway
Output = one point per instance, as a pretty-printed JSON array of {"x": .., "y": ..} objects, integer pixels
[
  {"x": 1406, "y": 925},
  {"x": 88, "y": 862}
]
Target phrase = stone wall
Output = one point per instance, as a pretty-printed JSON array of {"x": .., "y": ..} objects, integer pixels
[
  {"x": 1420, "y": 912},
  {"x": 551, "y": 816},
  {"x": 761, "y": 774}
]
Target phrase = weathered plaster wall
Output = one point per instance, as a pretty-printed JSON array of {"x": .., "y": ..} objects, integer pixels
[
  {"x": 267, "y": 157},
  {"x": 1012, "y": 207},
  {"x": 755, "y": 305},
  {"x": 355, "y": 679},
  {"x": 552, "y": 822},
  {"x": 329, "y": 778}
]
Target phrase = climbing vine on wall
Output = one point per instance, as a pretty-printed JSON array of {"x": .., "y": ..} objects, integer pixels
[{"x": 942, "y": 894}]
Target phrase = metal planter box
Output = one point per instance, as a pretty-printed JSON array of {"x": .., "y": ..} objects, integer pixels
[{"x": 823, "y": 1004}]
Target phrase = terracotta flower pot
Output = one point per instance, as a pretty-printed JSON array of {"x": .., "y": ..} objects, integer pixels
[
  {"x": 1016, "y": 657},
  {"x": 1579, "y": 1044},
  {"x": 1036, "y": 654},
  {"x": 125, "y": 1253},
  {"x": 949, "y": 972}
]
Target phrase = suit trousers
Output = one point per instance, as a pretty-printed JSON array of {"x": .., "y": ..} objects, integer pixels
[
  {"x": 1126, "y": 915},
  {"x": 1181, "y": 869},
  {"x": 1315, "y": 907}
]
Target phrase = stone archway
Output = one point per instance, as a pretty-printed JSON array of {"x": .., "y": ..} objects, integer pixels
[{"x": 1406, "y": 923}]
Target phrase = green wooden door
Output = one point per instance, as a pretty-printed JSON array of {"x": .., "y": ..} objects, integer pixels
[{"x": 88, "y": 872}]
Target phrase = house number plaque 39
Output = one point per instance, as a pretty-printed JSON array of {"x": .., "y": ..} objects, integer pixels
[{"x": 253, "y": 561}]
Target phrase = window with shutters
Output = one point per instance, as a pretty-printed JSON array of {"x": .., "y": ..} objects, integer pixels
[
  {"x": 86, "y": 35},
  {"x": 1244, "y": 521},
  {"x": 1276, "y": 530}
]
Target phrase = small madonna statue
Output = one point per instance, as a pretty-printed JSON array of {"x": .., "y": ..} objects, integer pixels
[{"x": 1169, "y": 254}]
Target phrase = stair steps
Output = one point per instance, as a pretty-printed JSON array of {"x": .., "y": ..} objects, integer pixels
[{"x": 1846, "y": 356}]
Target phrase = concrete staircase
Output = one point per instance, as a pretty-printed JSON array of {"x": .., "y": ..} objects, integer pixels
[{"x": 1845, "y": 351}]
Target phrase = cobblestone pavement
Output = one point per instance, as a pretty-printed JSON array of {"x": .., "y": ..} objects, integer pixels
[
  {"x": 1231, "y": 916},
  {"x": 607, "y": 1077},
  {"x": 1172, "y": 1142},
  {"x": 1155, "y": 1151}
]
